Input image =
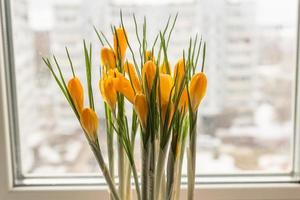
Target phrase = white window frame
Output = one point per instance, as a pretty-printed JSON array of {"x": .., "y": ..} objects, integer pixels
[{"x": 246, "y": 187}]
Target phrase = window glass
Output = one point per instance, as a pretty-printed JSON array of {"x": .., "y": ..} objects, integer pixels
[{"x": 245, "y": 123}]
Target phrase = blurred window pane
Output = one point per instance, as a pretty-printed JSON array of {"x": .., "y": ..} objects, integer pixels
[{"x": 245, "y": 122}]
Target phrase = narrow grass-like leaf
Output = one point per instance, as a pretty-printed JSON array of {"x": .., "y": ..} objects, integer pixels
[
  {"x": 98, "y": 35},
  {"x": 164, "y": 47},
  {"x": 70, "y": 61},
  {"x": 155, "y": 41},
  {"x": 119, "y": 56},
  {"x": 144, "y": 41},
  {"x": 130, "y": 48},
  {"x": 61, "y": 86},
  {"x": 69, "y": 98},
  {"x": 106, "y": 40},
  {"x": 138, "y": 39},
  {"x": 193, "y": 51},
  {"x": 203, "y": 57},
  {"x": 172, "y": 28},
  {"x": 88, "y": 67},
  {"x": 198, "y": 52},
  {"x": 60, "y": 73}
]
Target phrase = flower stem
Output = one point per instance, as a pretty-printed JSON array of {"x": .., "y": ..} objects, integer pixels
[
  {"x": 162, "y": 192},
  {"x": 136, "y": 181},
  {"x": 110, "y": 149},
  {"x": 121, "y": 170},
  {"x": 128, "y": 179},
  {"x": 152, "y": 170},
  {"x": 179, "y": 172},
  {"x": 192, "y": 162},
  {"x": 110, "y": 143},
  {"x": 145, "y": 168},
  {"x": 121, "y": 152},
  {"x": 159, "y": 172},
  {"x": 105, "y": 172},
  {"x": 170, "y": 174}
]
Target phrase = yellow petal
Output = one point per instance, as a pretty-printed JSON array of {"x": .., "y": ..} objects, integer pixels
[
  {"x": 179, "y": 72},
  {"x": 148, "y": 73},
  {"x": 89, "y": 122},
  {"x": 101, "y": 87},
  {"x": 113, "y": 73},
  {"x": 141, "y": 108},
  {"x": 129, "y": 69},
  {"x": 197, "y": 89},
  {"x": 108, "y": 58},
  {"x": 120, "y": 43},
  {"x": 184, "y": 101},
  {"x": 124, "y": 86},
  {"x": 149, "y": 56},
  {"x": 166, "y": 84},
  {"x": 108, "y": 92},
  {"x": 76, "y": 91}
]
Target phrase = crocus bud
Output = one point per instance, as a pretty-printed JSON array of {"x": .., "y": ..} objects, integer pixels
[
  {"x": 197, "y": 89},
  {"x": 89, "y": 122},
  {"x": 148, "y": 73},
  {"x": 120, "y": 43},
  {"x": 165, "y": 85},
  {"x": 165, "y": 68},
  {"x": 179, "y": 72},
  {"x": 76, "y": 91},
  {"x": 129, "y": 69},
  {"x": 108, "y": 91},
  {"x": 149, "y": 56},
  {"x": 141, "y": 108},
  {"x": 108, "y": 58}
]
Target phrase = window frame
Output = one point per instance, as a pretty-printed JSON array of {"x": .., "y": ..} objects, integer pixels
[{"x": 250, "y": 186}]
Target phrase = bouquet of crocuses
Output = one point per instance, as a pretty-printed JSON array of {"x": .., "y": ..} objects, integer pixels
[{"x": 164, "y": 110}]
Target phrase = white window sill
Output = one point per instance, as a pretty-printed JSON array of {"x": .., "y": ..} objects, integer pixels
[{"x": 207, "y": 192}]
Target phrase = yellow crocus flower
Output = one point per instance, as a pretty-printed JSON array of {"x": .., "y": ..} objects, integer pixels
[
  {"x": 108, "y": 58},
  {"x": 120, "y": 43},
  {"x": 108, "y": 91},
  {"x": 165, "y": 84},
  {"x": 141, "y": 108},
  {"x": 148, "y": 73},
  {"x": 129, "y": 69},
  {"x": 89, "y": 122},
  {"x": 76, "y": 91},
  {"x": 197, "y": 89}
]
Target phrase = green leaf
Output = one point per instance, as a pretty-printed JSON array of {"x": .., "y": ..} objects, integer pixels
[
  {"x": 98, "y": 35},
  {"x": 88, "y": 68},
  {"x": 130, "y": 49},
  {"x": 70, "y": 61},
  {"x": 62, "y": 87},
  {"x": 172, "y": 28},
  {"x": 203, "y": 57}
]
